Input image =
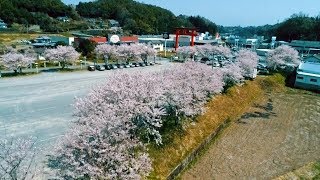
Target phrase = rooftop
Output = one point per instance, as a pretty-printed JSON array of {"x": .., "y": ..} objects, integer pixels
[
  {"x": 309, "y": 67},
  {"x": 305, "y": 44}
]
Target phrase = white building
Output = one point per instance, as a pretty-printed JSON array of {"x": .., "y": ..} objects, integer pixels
[
  {"x": 308, "y": 76},
  {"x": 157, "y": 45}
]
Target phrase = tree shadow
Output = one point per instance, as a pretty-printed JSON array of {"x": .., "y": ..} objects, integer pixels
[{"x": 266, "y": 113}]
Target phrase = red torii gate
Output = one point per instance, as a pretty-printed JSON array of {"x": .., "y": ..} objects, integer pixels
[{"x": 185, "y": 31}]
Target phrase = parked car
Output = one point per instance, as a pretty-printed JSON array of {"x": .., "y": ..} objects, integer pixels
[
  {"x": 142, "y": 64},
  {"x": 126, "y": 65},
  {"x": 100, "y": 68},
  {"x": 120, "y": 66},
  {"x": 135, "y": 64},
  {"x": 151, "y": 63},
  {"x": 91, "y": 68},
  {"x": 216, "y": 64},
  {"x": 204, "y": 59},
  {"x": 113, "y": 66},
  {"x": 107, "y": 66},
  {"x": 130, "y": 65}
]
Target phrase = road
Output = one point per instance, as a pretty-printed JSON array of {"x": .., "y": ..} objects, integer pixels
[{"x": 41, "y": 105}]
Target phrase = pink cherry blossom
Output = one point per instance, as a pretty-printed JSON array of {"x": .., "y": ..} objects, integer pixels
[
  {"x": 16, "y": 61},
  {"x": 17, "y": 158},
  {"x": 282, "y": 55},
  {"x": 115, "y": 118},
  {"x": 63, "y": 54},
  {"x": 247, "y": 60}
]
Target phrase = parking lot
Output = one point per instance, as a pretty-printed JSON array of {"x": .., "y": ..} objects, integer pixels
[{"x": 41, "y": 105}]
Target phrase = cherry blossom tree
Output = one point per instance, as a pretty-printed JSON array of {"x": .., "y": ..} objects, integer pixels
[
  {"x": 248, "y": 62},
  {"x": 210, "y": 50},
  {"x": 146, "y": 51},
  {"x": 16, "y": 61},
  {"x": 221, "y": 51},
  {"x": 17, "y": 158},
  {"x": 117, "y": 118},
  {"x": 127, "y": 52},
  {"x": 282, "y": 56},
  {"x": 232, "y": 74},
  {"x": 63, "y": 54},
  {"x": 107, "y": 51},
  {"x": 186, "y": 52}
]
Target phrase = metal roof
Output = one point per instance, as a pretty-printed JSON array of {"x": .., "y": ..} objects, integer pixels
[
  {"x": 308, "y": 67},
  {"x": 305, "y": 44}
]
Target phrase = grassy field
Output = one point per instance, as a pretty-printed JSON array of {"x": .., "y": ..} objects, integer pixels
[
  {"x": 309, "y": 171},
  {"x": 11, "y": 38},
  {"x": 278, "y": 134},
  {"x": 231, "y": 105}
]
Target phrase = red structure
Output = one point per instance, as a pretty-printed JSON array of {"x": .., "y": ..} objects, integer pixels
[
  {"x": 98, "y": 40},
  {"x": 185, "y": 31}
]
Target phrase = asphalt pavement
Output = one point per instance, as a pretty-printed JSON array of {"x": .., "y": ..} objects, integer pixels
[{"x": 41, "y": 105}]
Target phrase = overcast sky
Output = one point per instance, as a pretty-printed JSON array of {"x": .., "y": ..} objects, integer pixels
[{"x": 237, "y": 12}]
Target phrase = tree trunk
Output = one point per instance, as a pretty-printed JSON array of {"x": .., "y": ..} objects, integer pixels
[{"x": 63, "y": 65}]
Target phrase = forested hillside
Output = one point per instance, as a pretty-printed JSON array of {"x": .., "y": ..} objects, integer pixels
[
  {"x": 134, "y": 17},
  {"x": 141, "y": 18},
  {"x": 39, "y": 12},
  {"x": 298, "y": 26}
]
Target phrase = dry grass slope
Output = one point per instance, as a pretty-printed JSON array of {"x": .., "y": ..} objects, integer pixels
[{"x": 230, "y": 105}]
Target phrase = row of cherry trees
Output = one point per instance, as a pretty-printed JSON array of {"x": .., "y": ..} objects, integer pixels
[
  {"x": 125, "y": 52},
  {"x": 129, "y": 110},
  {"x": 203, "y": 50},
  {"x": 281, "y": 56},
  {"x": 66, "y": 55},
  {"x": 117, "y": 119}
]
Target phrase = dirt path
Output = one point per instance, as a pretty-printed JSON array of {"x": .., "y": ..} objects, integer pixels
[{"x": 275, "y": 138}]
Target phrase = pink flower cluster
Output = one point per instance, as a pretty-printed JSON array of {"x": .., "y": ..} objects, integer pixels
[
  {"x": 247, "y": 60},
  {"x": 63, "y": 54},
  {"x": 106, "y": 141},
  {"x": 124, "y": 51},
  {"x": 203, "y": 50},
  {"x": 282, "y": 55},
  {"x": 16, "y": 158},
  {"x": 210, "y": 50},
  {"x": 14, "y": 60}
]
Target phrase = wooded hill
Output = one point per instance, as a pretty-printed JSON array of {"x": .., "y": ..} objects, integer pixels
[{"x": 135, "y": 17}]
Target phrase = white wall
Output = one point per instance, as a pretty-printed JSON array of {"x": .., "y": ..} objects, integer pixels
[{"x": 301, "y": 78}]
